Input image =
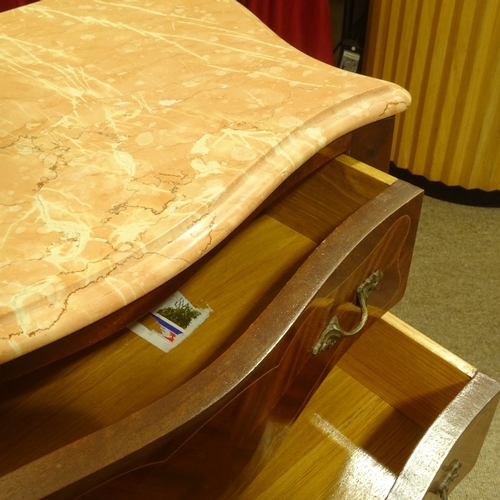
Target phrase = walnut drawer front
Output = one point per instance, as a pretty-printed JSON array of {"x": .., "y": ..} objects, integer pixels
[{"x": 273, "y": 287}]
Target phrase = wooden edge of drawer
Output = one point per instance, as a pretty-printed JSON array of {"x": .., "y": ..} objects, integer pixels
[
  {"x": 407, "y": 369},
  {"x": 451, "y": 446},
  {"x": 365, "y": 169},
  {"x": 430, "y": 345}
]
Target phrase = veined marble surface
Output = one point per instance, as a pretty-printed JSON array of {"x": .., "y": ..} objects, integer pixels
[{"x": 134, "y": 136}]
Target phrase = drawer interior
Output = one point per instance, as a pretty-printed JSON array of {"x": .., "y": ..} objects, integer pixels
[
  {"x": 87, "y": 391},
  {"x": 359, "y": 429}
]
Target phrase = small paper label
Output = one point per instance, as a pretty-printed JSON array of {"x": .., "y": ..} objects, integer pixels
[{"x": 171, "y": 322}]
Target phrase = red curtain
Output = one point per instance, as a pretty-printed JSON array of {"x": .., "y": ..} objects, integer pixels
[
  {"x": 305, "y": 24},
  {"x": 12, "y": 4}
]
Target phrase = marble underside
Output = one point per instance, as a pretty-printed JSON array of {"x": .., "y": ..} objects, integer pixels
[{"x": 135, "y": 136}]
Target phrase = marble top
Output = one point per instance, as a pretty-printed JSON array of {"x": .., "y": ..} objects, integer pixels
[{"x": 134, "y": 136}]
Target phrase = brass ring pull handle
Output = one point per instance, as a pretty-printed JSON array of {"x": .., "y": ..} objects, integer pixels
[{"x": 334, "y": 331}]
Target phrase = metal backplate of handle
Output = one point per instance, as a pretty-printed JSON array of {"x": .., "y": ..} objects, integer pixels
[
  {"x": 452, "y": 474},
  {"x": 334, "y": 331}
]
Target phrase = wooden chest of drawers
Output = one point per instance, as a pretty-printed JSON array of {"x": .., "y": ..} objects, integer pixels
[
  {"x": 182, "y": 147},
  {"x": 252, "y": 404}
]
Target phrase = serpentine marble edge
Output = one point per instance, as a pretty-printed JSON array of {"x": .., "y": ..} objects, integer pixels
[{"x": 134, "y": 136}]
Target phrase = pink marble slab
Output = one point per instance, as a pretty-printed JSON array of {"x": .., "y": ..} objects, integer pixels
[{"x": 135, "y": 136}]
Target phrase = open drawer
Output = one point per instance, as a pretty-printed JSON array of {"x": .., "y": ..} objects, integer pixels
[
  {"x": 249, "y": 369},
  {"x": 399, "y": 417}
]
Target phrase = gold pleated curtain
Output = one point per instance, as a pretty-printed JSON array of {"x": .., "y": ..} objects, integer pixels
[{"x": 447, "y": 54}]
